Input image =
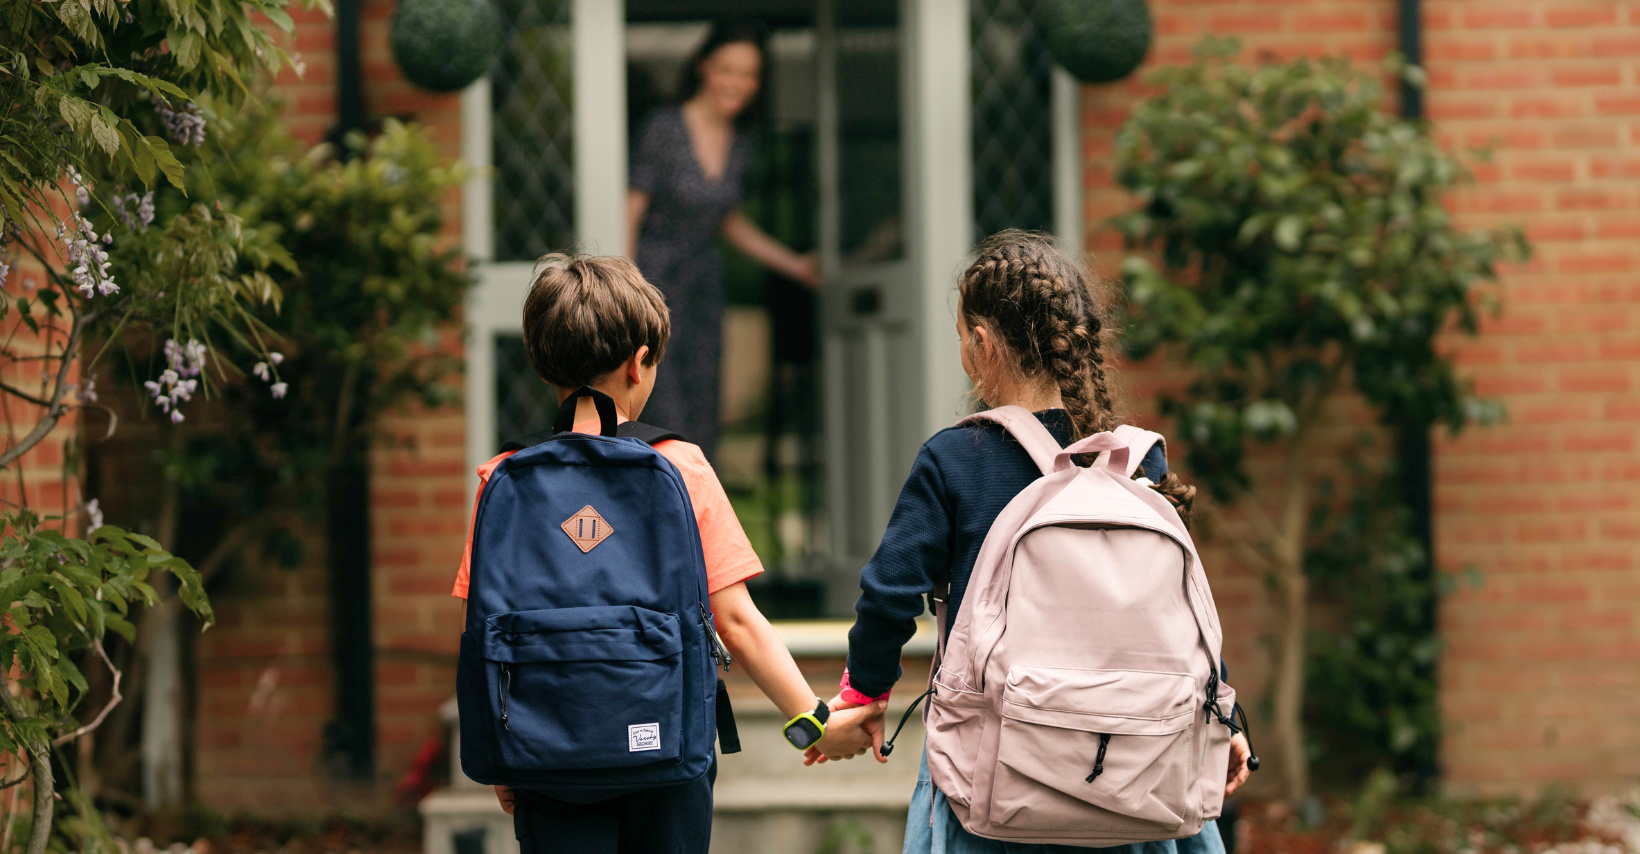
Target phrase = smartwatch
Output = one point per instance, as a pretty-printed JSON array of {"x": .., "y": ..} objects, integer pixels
[{"x": 806, "y": 729}]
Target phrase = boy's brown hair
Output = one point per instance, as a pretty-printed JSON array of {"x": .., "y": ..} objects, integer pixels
[{"x": 586, "y": 314}]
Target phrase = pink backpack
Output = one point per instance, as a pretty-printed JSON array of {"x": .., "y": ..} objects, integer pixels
[{"x": 1078, "y": 699}]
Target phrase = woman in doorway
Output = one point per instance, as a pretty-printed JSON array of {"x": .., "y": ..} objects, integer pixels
[{"x": 687, "y": 174}]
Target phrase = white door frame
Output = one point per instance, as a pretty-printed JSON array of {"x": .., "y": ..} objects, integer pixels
[{"x": 1068, "y": 166}]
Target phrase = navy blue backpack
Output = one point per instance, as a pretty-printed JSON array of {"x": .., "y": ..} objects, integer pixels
[{"x": 587, "y": 660}]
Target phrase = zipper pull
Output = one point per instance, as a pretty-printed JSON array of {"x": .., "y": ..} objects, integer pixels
[
  {"x": 1099, "y": 761},
  {"x": 719, "y": 650},
  {"x": 505, "y": 686}
]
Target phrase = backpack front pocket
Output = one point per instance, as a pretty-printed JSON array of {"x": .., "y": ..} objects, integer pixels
[
  {"x": 1095, "y": 751},
  {"x": 584, "y": 688}
]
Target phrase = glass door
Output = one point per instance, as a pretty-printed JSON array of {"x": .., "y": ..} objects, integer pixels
[{"x": 870, "y": 297}]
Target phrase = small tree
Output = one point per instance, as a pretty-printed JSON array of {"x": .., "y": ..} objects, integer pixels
[
  {"x": 1303, "y": 250},
  {"x": 100, "y": 101}
]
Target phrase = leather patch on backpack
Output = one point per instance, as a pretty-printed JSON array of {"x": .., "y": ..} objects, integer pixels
[{"x": 587, "y": 529}]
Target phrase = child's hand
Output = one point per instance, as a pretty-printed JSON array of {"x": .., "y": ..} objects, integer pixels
[
  {"x": 505, "y": 796},
  {"x": 1239, "y": 751},
  {"x": 850, "y": 732},
  {"x": 835, "y": 704}
]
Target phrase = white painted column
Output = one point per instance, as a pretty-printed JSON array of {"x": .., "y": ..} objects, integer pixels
[
  {"x": 1067, "y": 163},
  {"x": 477, "y": 199},
  {"x": 478, "y": 238},
  {"x": 599, "y": 69},
  {"x": 941, "y": 189},
  {"x": 162, "y": 710}
]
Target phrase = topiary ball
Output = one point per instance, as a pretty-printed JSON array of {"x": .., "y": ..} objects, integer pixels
[
  {"x": 443, "y": 45},
  {"x": 1097, "y": 41}
]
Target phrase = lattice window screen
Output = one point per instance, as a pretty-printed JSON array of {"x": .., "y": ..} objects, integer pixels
[
  {"x": 533, "y": 131},
  {"x": 1012, "y": 83},
  {"x": 523, "y": 403}
]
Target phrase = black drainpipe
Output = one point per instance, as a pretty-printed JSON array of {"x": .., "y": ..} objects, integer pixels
[
  {"x": 349, "y": 80},
  {"x": 1412, "y": 434},
  {"x": 350, "y": 738}
]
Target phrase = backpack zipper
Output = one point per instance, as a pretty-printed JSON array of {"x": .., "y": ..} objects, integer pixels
[
  {"x": 719, "y": 651},
  {"x": 505, "y": 686},
  {"x": 1099, "y": 761}
]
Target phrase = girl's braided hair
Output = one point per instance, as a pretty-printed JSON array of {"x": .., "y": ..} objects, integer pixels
[{"x": 1041, "y": 306}]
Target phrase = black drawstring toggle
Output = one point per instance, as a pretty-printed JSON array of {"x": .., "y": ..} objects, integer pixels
[
  {"x": 889, "y": 746},
  {"x": 1099, "y": 761},
  {"x": 1236, "y": 711}
]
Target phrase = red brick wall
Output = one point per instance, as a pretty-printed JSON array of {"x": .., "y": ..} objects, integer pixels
[
  {"x": 266, "y": 684},
  {"x": 1544, "y": 664},
  {"x": 39, "y": 479},
  {"x": 1545, "y": 656}
]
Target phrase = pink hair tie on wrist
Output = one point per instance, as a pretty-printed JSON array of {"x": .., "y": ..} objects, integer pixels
[{"x": 850, "y": 695}]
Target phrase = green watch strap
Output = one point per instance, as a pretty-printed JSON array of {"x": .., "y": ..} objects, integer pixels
[{"x": 807, "y": 728}]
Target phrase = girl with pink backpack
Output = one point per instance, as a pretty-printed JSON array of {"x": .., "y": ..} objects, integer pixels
[{"x": 1079, "y": 700}]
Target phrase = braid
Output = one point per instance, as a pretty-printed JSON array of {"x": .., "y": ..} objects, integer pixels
[
  {"x": 1040, "y": 305},
  {"x": 1172, "y": 487}
]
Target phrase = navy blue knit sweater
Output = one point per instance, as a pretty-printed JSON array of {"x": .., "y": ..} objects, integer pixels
[{"x": 961, "y": 481}]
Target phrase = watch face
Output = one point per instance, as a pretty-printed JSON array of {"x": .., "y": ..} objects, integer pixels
[{"x": 802, "y": 733}]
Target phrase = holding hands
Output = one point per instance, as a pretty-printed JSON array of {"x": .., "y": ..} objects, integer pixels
[{"x": 852, "y": 730}]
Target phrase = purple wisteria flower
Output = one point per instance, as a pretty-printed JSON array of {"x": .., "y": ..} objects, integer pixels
[
  {"x": 82, "y": 189},
  {"x": 266, "y": 373},
  {"x": 92, "y": 269},
  {"x": 137, "y": 212},
  {"x": 178, "y": 382},
  {"x": 185, "y": 124}
]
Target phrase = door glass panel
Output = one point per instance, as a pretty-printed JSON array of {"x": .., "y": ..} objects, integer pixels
[
  {"x": 1012, "y": 79},
  {"x": 523, "y": 403},
  {"x": 532, "y": 131},
  {"x": 868, "y": 144}
]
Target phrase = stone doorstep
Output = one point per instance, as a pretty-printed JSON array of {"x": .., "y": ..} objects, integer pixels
[
  {"x": 757, "y": 796},
  {"x": 464, "y": 804},
  {"x": 728, "y": 796}
]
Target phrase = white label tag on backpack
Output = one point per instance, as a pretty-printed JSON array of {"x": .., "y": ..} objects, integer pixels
[{"x": 643, "y": 737}]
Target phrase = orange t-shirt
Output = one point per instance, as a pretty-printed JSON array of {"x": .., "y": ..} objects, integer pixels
[{"x": 729, "y": 555}]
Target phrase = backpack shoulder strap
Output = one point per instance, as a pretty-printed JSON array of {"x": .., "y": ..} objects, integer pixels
[
  {"x": 1139, "y": 442},
  {"x": 1029, "y": 432},
  {"x": 649, "y": 434},
  {"x": 523, "y": 442}
]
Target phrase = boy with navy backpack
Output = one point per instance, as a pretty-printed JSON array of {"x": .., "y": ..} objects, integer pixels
[{"x": 605, "y": 584}]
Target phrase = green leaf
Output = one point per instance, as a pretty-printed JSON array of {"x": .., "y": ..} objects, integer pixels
[
  {"x": 280, "y": 18},
  {"x": 143, "y": 540},
  {"x": 104, "y": 132},
  {"x": 166, "y": 161},
  {"x": 1289, "y": 232},
  {"x": 74, "y": 111},
  {"x": 186, "y": 47}
]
